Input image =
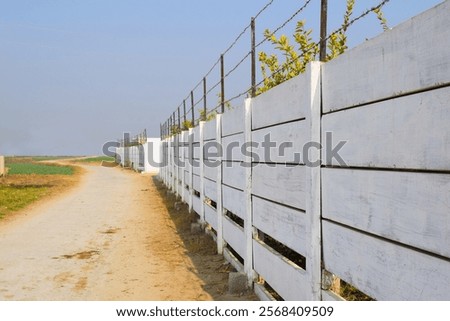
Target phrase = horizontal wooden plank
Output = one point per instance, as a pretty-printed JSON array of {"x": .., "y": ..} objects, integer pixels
[
  {"x": 196, "y": 204},
  {"x": 282, "y": 143},
  {"x": 282, "y": 223},
  {"x": 381, "y": 269},
  {"x": 196, "y": 183},
  {"x": 409, "y": 132},
  {"x": 211, "y": 216},
  {"x": 210, "y": 189},
  {"x": 210, "y": 172},
  {"x": 231, "y": 146},
  {"x": 196, "y": 169},
  {"x": 290, "y": 281},
  {"x": 233, "y": 174},
  {"x": 209, "y": 130},
  {"x": 330, "y": 296},
  {"x": 395, "y": 61},
  {"x": 233, "y": 201},
  {"x": 233, "y": 121},
  {"x": 233, "y": 234},
  {"x": 411, "y": 208},
  {"x": 285, "y": 102},
  {"x": 280, "y": 183}
]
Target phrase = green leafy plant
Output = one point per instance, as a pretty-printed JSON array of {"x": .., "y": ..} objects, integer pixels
[{"x": 275, "y": 72}]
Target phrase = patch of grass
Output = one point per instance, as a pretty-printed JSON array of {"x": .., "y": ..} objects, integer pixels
[
  {"x": 40, "y": 169},
  {"x": 13, "y": 198},
  {"x": 96, "y": 159},
  {"x": 29, "y": 159}
]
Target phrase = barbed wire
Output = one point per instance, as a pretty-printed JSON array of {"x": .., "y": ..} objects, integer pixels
[
  {"x": 284, "y": 23},
  {"x": 351, "y": 22}
]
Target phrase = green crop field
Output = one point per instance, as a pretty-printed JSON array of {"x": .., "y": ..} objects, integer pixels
[
  {"x": 39, "y": 169},
  {"x": 13, "y": 198}
]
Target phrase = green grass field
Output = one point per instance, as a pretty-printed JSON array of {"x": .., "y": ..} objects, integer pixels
[
  {"x": 39, "y": 169},
  {"x": 14, "y": 198}
]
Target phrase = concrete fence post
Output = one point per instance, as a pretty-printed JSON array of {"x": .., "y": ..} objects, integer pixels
[
  {"x": 248, "y": 225},
  {"x": 202, "y": 173},
  {"x": 313, "y": 172},
  {"x": 183, "y": 165},
  {"x": 190, "y": 161},
  {"x": 219, "y": 207}
]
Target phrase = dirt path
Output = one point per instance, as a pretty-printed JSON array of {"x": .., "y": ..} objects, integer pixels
[{"x": 111, "y": 238}]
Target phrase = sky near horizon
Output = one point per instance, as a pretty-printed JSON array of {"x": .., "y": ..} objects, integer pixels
[{"x": 76, "y": 74}]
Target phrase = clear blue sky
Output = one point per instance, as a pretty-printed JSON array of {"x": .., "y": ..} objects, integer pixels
[{"x": 77, "y": 73}]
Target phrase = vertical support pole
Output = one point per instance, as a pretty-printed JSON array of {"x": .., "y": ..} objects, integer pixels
[
  {"x": 202, "y": 173},
  {"x": 323, "y": 29},
  {"x": 313, "y": 201},
  {"x": 253, "y": 40},
  {"x": 219, "y": 207},
  {"x": 204, "y": 98},
  {"x": 183, "y": 165},
  {"x": 179, "y": 119},
  {"x": 222, "y": 85},
  {"x": 184, "y": 113},
  {"x": 176, "y": 162},
  {"x": 169, "y": 162},
  {"x": 192, "y": 109},
  {"x": 248, "y": 224},
  {"x": 191, "y": 173}
]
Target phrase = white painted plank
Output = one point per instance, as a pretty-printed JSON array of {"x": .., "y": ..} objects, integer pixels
[
  {"x": 262, "y": 293},
  {"x": 211, "y": 216},
  {"x": 411, "y": 208},
  {"x": 233, "y": 121},
  {"x": 282, "y": 223},
  {"x": 232, "y": 147},
  {"x": 228, "y": 256},
  {"x": 234, "y": 174},
  {"x": 196, "y": 182},
  {"x": 330, "y": 296},
  {"x": 209, "y": 130},
  {"x": 211, "y": 172},
  {"x": 196, "y": 169},
  {"x": 396, "y": 62},
  {"x": 409, "y": 132},
  {"x": 233, "y": 200},
  {"x": 290, "y": 281},
  {"x": 196, "y": 204},
  {"x": 210, "y": 189},
  {"x": 288, "y": 140},
  {"x": 381, "y": 269},
  {"x": 233, "y": 234},
  {"x": 282, "y": 103},
  {"x": 280, "y": 183}
]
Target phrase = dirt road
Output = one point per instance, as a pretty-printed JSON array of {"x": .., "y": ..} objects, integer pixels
[{"x": 110, "y": 238}]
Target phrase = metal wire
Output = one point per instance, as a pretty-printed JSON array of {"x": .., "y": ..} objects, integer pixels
[{"x": 284, "y": 23}]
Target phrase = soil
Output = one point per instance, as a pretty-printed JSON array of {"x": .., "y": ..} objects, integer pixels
[{"x": 116, "y": 235}]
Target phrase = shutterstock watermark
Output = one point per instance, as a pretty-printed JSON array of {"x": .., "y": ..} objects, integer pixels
[{"x": 269, "y": 152}]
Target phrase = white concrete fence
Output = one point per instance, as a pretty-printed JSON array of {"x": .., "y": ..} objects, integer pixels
[
  {"x": 140, "y": 157},
  {"x": 381, "y": 223}
]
